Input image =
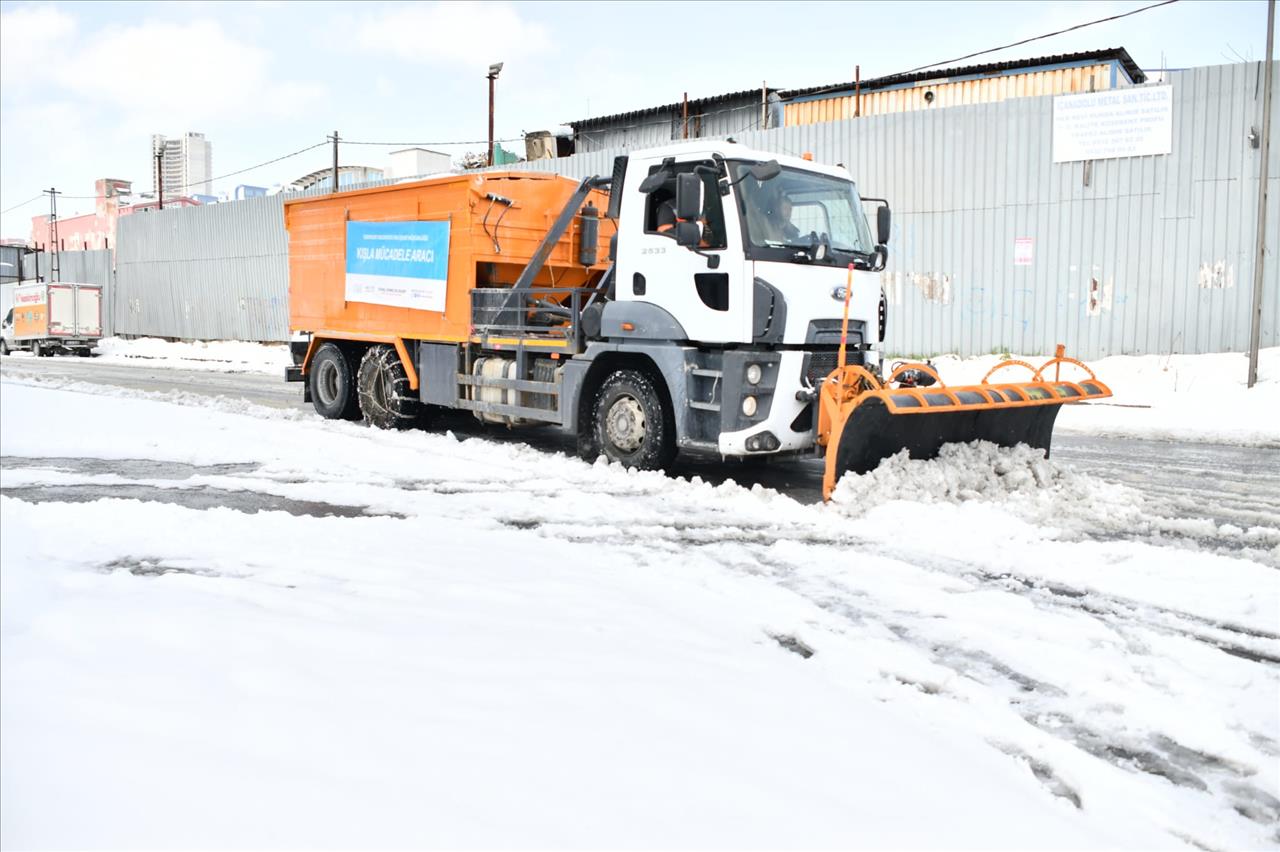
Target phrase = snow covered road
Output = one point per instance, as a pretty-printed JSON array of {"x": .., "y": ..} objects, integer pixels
[
  {"x": 332, "y": 636},
  {"x": 1223, "y": 482}
]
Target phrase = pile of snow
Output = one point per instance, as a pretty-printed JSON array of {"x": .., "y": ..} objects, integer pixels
[
  {"x": 1022, "y": 482},
  {"x": 227, "y": 356},
  {"x": 1164, "y": 397},
  {"x": 974, "y": 471}
]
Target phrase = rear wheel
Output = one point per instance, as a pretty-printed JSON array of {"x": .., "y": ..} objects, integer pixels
[
  {"x": 385, "y": 396},
  {"x": 632, "y": 425},
  {"x": 333, "y": 387}
]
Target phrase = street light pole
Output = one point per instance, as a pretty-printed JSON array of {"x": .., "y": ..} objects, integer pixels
[
  {"x": 494, "y": 70},
  {"x": 1255, "y": 313}
]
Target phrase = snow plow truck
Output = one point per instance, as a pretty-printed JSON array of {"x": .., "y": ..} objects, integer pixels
[{"x": 703, "y": 298}]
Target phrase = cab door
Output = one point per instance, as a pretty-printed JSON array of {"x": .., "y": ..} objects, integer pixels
[{"x": 708, "y": 291}]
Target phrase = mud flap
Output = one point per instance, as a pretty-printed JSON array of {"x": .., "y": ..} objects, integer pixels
[{"x": 871, "y": 433}]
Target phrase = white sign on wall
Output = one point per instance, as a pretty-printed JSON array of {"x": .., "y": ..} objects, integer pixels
[
  {"x": 1134, "y": 122},
  {"x": 1024, "y": 249}
]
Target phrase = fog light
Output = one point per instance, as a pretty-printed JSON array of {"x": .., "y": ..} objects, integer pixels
[
  {"x": 765, "y": 441},
  {"x": 749, "y": 406},
  {"x": 754, "y": 374}
]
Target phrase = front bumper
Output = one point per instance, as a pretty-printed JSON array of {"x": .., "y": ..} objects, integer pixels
[{"x": 789, "y": 422}]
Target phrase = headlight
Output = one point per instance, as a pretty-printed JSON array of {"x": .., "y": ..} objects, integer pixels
[
  {"x": 754, "y": 374},
  {"x": 749, "y": 406}
]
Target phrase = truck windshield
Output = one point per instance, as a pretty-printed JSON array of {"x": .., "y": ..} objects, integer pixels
[{"x": 803, "y": 210}]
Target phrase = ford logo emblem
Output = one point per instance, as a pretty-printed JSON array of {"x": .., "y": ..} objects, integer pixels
[{"x": 839, "y": 293}]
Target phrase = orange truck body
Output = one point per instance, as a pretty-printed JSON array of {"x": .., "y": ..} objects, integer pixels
[
  {"x": 489, "y": 245},
  {"x": 57, "y": 310},
  {"x": 31, "y": 314}
]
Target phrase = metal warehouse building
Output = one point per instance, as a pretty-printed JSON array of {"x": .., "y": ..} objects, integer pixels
[
  {"x": 764, "y": 108},
  {"x": 975, "y": 84}
]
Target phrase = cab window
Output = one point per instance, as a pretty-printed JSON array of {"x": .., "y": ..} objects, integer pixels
[{"x": 660, "y": 206}]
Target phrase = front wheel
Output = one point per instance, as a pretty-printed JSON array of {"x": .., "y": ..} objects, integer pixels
[
  {"x": 632, "y": 424},
  {"x": 4, "y": 346}
]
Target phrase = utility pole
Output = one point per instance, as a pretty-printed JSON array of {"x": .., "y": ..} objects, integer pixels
[
  {"x": 334, "y": 140},
  {"x": 160, "y": 177},
  {"x": 54, "y": 269},
  {"x": 685, "y": 117},
  {"x": 1255, "y": 316},
  {"x": 494, "y": 70}
]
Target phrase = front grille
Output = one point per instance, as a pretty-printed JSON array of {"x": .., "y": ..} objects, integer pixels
[
  {"x": 828, "y": 332},
  {"x": 817, "y": 366}
]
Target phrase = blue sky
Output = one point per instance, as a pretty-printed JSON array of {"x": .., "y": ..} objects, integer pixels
[{"x": 84, "y": 85}]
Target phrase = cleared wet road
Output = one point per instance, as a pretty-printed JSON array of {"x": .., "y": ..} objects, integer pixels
[{"x": 1229, "y": 485}]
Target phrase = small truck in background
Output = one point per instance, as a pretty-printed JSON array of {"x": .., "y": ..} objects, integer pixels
[{"x": 53, "y": 319}]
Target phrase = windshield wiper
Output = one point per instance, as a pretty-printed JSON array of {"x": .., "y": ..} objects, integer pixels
[{"x": 867, "y": 258}]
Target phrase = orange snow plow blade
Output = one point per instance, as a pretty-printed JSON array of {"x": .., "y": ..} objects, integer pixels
[{"x": 862, "y": 420}]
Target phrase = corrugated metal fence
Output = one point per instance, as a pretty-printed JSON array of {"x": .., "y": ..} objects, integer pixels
[
  {"x": 204, "y": 273},
  {"x": 1135, "y": 255},
  {"x": 216, "y": 272}
]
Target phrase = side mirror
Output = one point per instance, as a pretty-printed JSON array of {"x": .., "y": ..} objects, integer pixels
[
  {"x": 882, "y": 224},
  {"x": 688, "y": 234},
  {"x": 688, "y": 197},
  {"x": 653, "y": 182},
  {"x": 765, "y": 171}
]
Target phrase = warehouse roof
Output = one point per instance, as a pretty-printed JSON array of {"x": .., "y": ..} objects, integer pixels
[
  {"x": 1109, "y": 54},
  {"x": 693, "y": 105},
  {"x": 1118, "y": 54}
]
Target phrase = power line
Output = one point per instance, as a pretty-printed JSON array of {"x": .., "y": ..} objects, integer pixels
[
  {"x": 840, "y": 87},
  {"x": 23, "y": 204},
  {"x": 424, "y": 144},
  {"x": 185, "y": 186},
  {"x": 1039, "y": 37},
  {"x": 258, "y": 166}
]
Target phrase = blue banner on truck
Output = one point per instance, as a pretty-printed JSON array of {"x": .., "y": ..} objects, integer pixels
[{"x": 403, "y": 264}]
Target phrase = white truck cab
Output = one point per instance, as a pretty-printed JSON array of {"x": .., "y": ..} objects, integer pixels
[
  {"x": 7, "y": 341},
  {"x": 740, "y": 295}
]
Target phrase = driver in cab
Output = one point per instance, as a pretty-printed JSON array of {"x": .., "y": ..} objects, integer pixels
[
  {"x": 776, "y": 219},
  {"x": 781, "y": 220}
]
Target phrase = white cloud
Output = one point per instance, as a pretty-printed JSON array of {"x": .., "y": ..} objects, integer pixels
[
  {"x": 153, "y": 76},
  {"x": 28, "y": 36},
  {"x": 216, "y": 76},
  {"x": 464, "y": 33}
]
